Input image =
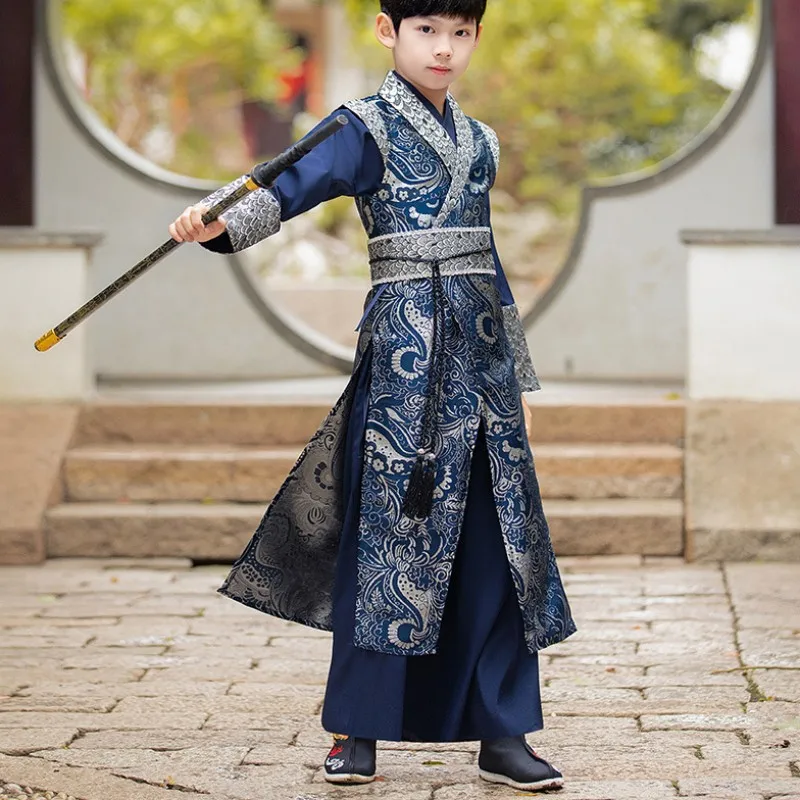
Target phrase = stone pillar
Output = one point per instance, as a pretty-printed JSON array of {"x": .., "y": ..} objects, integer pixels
[
  {"x": 43, "y": 279},
  {"x": 743, "y": 393},
  {"x": 786, "y": 24}
]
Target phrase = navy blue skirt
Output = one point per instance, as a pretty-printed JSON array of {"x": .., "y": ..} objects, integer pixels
[{"x": 482, "y": 683}]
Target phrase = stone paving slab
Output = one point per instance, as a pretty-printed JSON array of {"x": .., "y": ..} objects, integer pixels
[
  {"x": 166, "y": 740},
  {"x": 779, "y": 684},
  {"x": 117, "y": 691},
  {"x": 118, "y": 682},
  {"x": 82, "y": 784},
  {"x": 21, "y": 741}
]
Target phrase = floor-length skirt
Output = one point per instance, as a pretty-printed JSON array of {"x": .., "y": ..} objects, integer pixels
[{"x": 483, "y": 683}]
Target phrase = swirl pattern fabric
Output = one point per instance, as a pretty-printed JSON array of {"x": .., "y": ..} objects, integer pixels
[
  {"x": 526, "y": 374},
  {"x": 430, "y": 207},
  {"x": 288, "y": 567},
  {"x": 405, "y": 565}
]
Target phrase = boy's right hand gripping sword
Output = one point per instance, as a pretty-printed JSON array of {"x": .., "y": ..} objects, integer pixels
[{"x": 261, "y": 177}]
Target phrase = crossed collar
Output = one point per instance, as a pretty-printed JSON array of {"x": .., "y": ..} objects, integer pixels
[{"x": 456, "y": 158}]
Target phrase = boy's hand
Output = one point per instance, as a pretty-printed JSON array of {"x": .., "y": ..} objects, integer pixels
[
  {"x": 189, "y": 226},
  {"x": 526, "y": 410}
]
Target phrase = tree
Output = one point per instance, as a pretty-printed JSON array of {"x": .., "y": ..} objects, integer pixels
[
  {"x": 181, "y": 68},
  {"x": 686, "y": 20},
  {"x": 589, "y": 88}
]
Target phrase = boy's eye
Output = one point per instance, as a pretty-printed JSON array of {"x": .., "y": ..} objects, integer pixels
[
  {"x": 425, "y": 29},
  {"x": 463, "y": 33}
]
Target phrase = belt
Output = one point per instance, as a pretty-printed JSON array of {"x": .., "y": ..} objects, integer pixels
[{"x": 406, "y": 256}]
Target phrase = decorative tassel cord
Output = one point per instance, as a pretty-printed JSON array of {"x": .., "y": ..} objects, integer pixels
[{"x": 418, "y": 502}]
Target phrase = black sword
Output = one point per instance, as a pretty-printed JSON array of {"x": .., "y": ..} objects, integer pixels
[{"x": 261, "y": 177}]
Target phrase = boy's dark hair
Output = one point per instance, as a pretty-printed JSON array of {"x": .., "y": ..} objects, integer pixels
[{"x": 399, "y": 10}]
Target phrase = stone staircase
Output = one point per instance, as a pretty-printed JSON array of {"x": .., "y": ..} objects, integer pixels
[{"x": 177, "y": 478}]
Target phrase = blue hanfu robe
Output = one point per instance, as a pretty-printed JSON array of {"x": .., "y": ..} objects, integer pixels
[{"x": 463, "y": 665}]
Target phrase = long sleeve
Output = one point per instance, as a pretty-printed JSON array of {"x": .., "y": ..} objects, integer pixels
[
  {"x": 523, "y": 363},
  {"x": 348, "y": 163}
]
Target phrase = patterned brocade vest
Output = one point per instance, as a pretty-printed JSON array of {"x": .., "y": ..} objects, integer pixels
[{"x": 419, "y": 192}]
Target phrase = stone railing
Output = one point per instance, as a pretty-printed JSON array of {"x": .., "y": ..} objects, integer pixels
[{"x": 43, "y": 279}]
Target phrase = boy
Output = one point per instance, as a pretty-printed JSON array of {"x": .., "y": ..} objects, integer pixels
[{"x": 412, "y": 525}]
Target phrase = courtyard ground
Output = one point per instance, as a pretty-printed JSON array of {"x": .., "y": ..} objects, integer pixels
[{"x": 134, "y": 680}]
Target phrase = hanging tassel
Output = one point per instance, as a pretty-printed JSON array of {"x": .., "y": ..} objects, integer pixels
[{"x": 418, "y": 501}]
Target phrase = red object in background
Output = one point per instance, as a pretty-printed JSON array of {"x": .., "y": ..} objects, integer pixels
[
  {"x": 786, "y": 22},
  {"x": 268, "y": 129},
  {"x": 16, "y": 112},
  {"x": 294, "y": 84}
]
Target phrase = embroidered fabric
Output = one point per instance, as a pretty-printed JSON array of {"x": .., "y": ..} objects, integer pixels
[
  {"x": 494, "y": 142},
  {"x": 395, "y": 92},
  {"x": 404, "y": 564},
  {"x": 458, "y": 160},
  {"x": 523, "y": 363},
  {"x": 252, "y": 219},
  {"x": 372, "y": 118},
  {"x": 441, "y": 243},
  {"x": 289, "y": 565},
  {"x": 412, "y": 269}
]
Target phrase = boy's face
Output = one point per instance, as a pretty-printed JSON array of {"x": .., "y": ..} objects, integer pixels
[{"x": 431, "y": 52}]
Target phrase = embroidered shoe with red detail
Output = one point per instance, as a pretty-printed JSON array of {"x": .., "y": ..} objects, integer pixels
[{"x": 351, "y": 760}]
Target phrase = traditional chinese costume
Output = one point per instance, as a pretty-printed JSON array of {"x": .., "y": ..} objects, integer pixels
[{"x": 438, "y": 607}]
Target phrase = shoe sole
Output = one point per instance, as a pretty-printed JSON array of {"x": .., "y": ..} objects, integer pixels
[
  {"x": 351, "y": 778},
  {"x": 537, "y": 786}
]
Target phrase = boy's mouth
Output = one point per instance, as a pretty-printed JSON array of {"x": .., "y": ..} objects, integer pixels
[{"x": 440, "y": 70}]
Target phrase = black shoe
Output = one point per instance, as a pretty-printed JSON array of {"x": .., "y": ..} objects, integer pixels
[
  {"x": 350, "y": 760},
  {"x": 512, "y": 761}
]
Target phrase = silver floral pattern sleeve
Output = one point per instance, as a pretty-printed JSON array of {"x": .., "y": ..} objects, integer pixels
[
  {"x": 523, "y": 363},
  {"x": 252, "y": 219}
]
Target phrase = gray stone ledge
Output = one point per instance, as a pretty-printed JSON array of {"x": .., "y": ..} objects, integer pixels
[
  {"x": 16, "y": 238},
  {"x": 784, "y": 235}
]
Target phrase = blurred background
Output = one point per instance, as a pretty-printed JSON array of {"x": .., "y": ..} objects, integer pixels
[{"x": 577, "y": 91}]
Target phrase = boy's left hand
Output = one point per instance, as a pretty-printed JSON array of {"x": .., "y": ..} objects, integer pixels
[{"x": 526, "y": 410}]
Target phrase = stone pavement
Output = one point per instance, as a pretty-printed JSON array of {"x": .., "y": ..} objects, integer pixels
[{"x": 134, "y": 680}]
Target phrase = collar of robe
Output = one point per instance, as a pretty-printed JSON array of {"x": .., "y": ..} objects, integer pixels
[{"x": 456, "y": 158}]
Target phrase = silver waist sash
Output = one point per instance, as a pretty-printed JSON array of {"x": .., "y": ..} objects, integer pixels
[{"x": 409, "y": 256}]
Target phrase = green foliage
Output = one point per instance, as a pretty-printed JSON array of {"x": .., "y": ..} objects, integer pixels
[
  {"x": 575, "y": 88},
  {"x": 586, "y": 88},
  {"x": 175, "y": 64},
  {"x": 685, "y": 20}
]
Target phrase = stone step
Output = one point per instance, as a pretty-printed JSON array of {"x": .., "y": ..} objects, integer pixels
[
  {"x": 283, "y": 423},
  {"x": 220, "y": 531},
  {"x": 173, "y": 473}
]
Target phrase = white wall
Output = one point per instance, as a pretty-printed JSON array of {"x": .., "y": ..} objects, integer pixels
[
  {"x": 187, "y": 318},
  {"x": 39, "y": 288},
  {"x": 744, "y": 325},
  {"x": 622, "y": 313}
]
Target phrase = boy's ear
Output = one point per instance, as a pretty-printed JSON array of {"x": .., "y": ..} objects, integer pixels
[
  {"x": 384, "y": 30},
  {"x": 478, "y": 34}
]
